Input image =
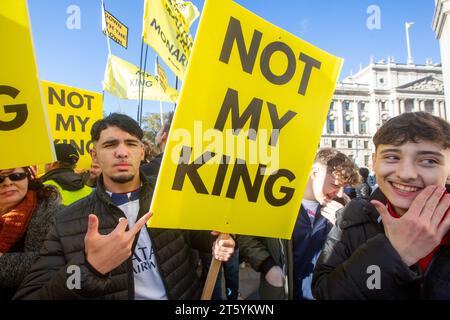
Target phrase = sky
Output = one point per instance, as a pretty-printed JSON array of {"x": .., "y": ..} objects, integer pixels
[{"x": 77, "y": 57}]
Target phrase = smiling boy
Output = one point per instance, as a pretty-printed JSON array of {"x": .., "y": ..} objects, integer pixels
[{"x": 397, "y": 245}]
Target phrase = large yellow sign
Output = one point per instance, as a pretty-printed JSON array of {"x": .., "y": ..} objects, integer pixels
[
  {"x": 72, "y": 112},
  {"x": 24, "y": 131},
  {"x": 247, "y": 127}
]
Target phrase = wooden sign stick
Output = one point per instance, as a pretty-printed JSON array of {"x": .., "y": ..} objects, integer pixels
[{"x": 212, "y": 272}]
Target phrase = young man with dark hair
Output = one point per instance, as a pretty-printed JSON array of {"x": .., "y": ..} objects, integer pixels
[
  {"x": 103, "y": 237},
  {"x": 397, "y": 245},
  {"x": 286, "y": 266}
]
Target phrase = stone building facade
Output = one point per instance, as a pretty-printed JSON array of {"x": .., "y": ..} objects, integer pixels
[{"x": 364, "y": 101}]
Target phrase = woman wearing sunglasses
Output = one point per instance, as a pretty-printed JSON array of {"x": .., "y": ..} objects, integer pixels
[{"x": 27, "y": 208}]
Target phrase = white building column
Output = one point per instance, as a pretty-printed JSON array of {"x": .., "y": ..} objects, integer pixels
[
  {"x": 402, "y": 106},
  {"x": 339, "y": 121},
  {"x": 437, "y": 108},
  {"x": 444, "y": 113},
  {"x": 421, "y": 105},
  {"x": 416, "y": 105},
  {"x": 396, "y": 107}
]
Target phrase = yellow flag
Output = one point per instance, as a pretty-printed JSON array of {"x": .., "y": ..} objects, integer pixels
[
  {"x": 246, "y": 129},
  {"x": 162, "y": 78},
  {"x": 72, "y": 112},
  {"x": 122, "y": 80},
  {"x": 166, "y": 29},
  {"x": 24, "y": 132}
]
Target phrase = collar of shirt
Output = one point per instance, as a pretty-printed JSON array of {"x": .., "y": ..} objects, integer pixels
[{"x": 121, "y": 198}]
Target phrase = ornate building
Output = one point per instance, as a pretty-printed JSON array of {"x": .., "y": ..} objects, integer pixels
[
  {"x": 364, "y": 101},
  {"x": 441, "y": 26}
]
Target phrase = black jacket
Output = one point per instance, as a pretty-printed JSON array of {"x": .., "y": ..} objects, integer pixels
[
  {"x": 152, "y": 168},
  {"x": 357, "y": 246},
  {"x": 64, "y": 247},
  {"x": 66, "y": 178}
]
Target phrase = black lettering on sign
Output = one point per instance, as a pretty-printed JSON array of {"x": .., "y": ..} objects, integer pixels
[
  {"x": 310, "y": 64},
  {"x": 74, "y": 99},
  {"x": 185, "y": 168},
  {"x": 231, "y": 105},
  {"x": 278, "y": 123},
  {"x": 21, "y": 110},
  {"x": 240, "y": 172},
  {"x": 288, "y": 192},
  {"x": 265, "y": 63},
  {"x": 234, "y": 34},
  {"x": 71, "y": 122}
]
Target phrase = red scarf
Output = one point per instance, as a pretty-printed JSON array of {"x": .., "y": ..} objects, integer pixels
[
  {"x": 14, "y": 223},
  {"x": 424, "y": 262}
]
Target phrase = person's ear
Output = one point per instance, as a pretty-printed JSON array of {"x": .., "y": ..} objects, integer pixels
[
  {"x": 93, "y": 154},
  {"x": 314, "y": 172},
  {"x": 374, "y": 157},
  {"x": 142, "y": 152}
]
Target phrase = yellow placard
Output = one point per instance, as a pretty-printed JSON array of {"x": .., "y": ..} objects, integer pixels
[
  {"x": 117, "y": 31},
  {"x": 72, "y": 112},
  {"x": 246, "y": 129},
  {"x": 24, "y": 132},
  {"x": 166, "y": 29}
]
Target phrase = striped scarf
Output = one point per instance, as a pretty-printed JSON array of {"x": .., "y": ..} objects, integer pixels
[{"x": 14, "y": 223}]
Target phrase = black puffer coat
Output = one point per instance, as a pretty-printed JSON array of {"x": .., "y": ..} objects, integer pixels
[
  {"x": 64, "y": 247},
  {"x": 357, "y": 246}
]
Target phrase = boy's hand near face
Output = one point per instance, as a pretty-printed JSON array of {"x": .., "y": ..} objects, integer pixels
[{"x": 421, "y": 229}]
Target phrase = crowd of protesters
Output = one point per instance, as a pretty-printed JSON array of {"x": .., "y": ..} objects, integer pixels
[{"x": 394, "y": 219}]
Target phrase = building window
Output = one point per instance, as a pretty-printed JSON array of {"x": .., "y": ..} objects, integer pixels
[
  {"x": 333, "y": 143},
  {"x": 347, "y": 126},
  {"x": 332, "y": 105},
  {"x": 363, "y": 127},
  {"x": 409, "y": 105},
  {"x": 429, "y": 106},
  {"x": 366, "y": 145},
  {"x": 346, "y": 106},
  {"x": 330, "y": 126},
  {"x": 350, "y": 144},
  {"x": 366, "y": 161},
  {"x": 383, "y": 106},
  {"x": 362, "y": 107}
]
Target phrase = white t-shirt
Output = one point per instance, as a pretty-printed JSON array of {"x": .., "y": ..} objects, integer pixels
[
  {"x": 312, "y": 206},
  {"x": 148, "y": 284}
]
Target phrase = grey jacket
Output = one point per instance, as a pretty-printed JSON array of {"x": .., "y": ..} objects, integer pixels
[{"x": 15, "y": 264}]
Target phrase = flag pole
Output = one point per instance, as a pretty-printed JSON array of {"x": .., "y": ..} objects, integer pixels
[
  {"x": 105, "y": 28},
  {"x": 159, "y": 92},
  {"x": 176, "y": 88},
  {"x": 410, "y": 58},
  {"x": 143, "y": 84},
  {"x": 139, "y": 82}
]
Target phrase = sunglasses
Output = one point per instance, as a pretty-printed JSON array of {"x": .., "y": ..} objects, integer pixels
[{"x": 16, "y": 176}]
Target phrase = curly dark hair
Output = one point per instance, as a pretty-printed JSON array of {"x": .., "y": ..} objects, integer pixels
[{"x": 339, "y": 165}]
